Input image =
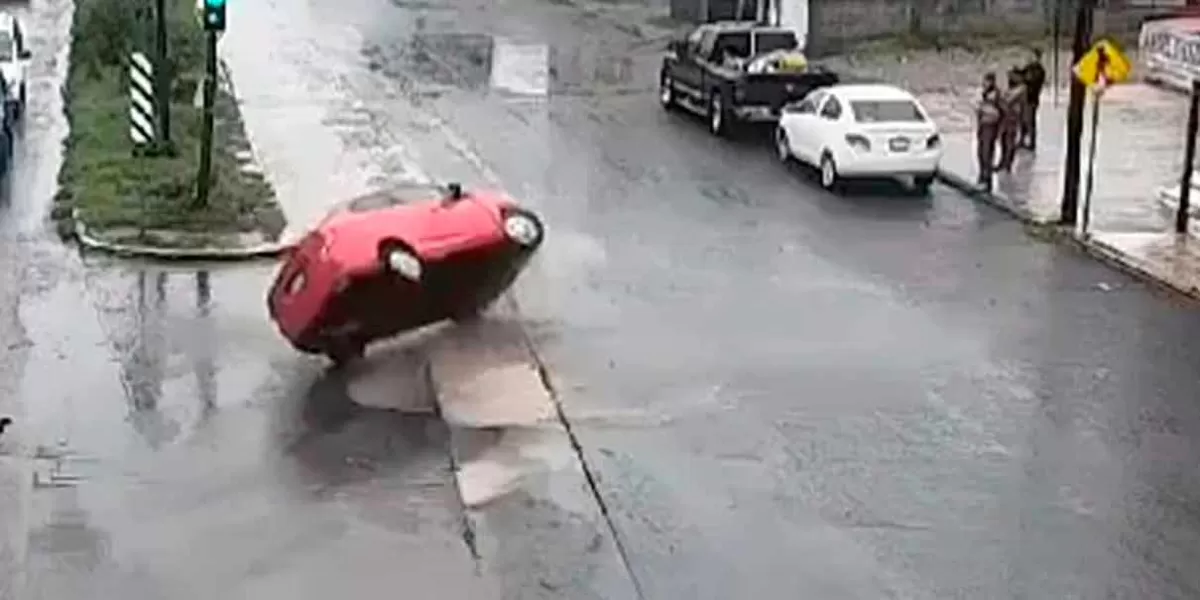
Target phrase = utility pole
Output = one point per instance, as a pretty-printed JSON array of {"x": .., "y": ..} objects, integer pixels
[
  {"x": 1075, "y": 104},
  {"x": 214, "y": 23},
  {"x": 204, "y": 178},
  {"x": 162, "y": 79},
  {"x": 1183, "y": 212}
]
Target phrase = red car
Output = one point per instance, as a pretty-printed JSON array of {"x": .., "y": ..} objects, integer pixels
[{"x": 397, "y": 260}]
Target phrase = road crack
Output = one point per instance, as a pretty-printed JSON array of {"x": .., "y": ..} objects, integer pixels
[{"x": 577, "y": 447}]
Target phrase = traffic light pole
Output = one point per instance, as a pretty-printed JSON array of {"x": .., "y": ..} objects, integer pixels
[
  {"x": 162, "y": 78},
  {"x": 204, "y": 179},
  {"x": 1075, "y": 105}
]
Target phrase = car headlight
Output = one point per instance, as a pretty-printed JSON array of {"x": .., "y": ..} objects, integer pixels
[
  {"x": 404, "y": 263},
  {"x": 522, "y": 229}
]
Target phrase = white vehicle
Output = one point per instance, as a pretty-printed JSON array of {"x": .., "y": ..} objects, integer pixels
[
  {"x": 14, "y": 62},
  {"x": 861, "y": 131}
]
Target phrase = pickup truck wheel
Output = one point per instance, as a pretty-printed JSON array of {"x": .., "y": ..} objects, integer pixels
[
  {"x": 716, "y": 114},
  {"x": 666, "y": 94},
  {"x": 829, "y": 174}
]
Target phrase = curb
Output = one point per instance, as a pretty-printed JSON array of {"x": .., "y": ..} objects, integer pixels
[
  {"x": 1101, "y": 251},
  {"x": 1115, "y": 258},
  {"x": 969, "y": 189},
  {"x": 90, "y": 242}
]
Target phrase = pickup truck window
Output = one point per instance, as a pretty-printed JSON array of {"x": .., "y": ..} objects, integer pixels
[
  {"x": 694, "y": 41},
  {"x": 733, "y": 45},
  {"x": 707, "y": 40},
  {"x": 770, "y": 41}
]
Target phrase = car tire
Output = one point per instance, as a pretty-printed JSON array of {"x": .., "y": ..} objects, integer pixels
[
  {"x": 827, "y": 173},
  {"x": 666, "y": 93},
  {"x": 782, "y": 149},
  {"x": 345, "y": 351},
  {"x": 718, "y": 116},
  {"x": 467, "y": 314},
  {"x": 922, "y": 183}
]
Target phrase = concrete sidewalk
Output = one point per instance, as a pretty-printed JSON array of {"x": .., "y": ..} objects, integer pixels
[{"x": 1139, "y": 154}]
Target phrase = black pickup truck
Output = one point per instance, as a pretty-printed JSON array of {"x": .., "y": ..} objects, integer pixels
[{"x": 717, "y": 71}]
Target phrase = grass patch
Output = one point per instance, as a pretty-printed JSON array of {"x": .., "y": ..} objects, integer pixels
[{"x": 100, "y": 177}]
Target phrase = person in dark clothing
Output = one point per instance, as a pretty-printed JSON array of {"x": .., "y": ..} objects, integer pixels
[
  {"x": 1013, "y": 103},
  {"x": 1035, "y": 80},
  {"x": 987, "y": 128}
]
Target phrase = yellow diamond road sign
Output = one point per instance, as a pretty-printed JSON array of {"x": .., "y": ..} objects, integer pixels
[{"x": 1103, "y": 65}]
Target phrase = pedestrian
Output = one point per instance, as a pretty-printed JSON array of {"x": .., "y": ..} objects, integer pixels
[
  {"x": 1034, "y": 75},
  {"x": 1013, "y": 103},
  {"x": 987, "y": 128}
]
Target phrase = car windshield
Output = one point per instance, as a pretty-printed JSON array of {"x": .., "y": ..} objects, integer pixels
[
  {"x": 770, "y": 41},
  {"x": 886, "y": 111},
  {"x": 389, "y": 198},
  {"x": 6, "y": 47}
]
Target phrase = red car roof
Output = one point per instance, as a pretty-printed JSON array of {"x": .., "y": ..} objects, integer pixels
[{"x": 420, "y": 216}]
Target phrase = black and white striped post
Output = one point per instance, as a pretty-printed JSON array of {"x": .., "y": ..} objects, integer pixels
[{"x": 142, "y": 119}]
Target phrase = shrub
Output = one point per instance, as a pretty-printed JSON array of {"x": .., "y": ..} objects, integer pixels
[{"x": 100, "y": 176}]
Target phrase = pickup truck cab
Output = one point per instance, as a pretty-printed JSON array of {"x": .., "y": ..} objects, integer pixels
[
  {"x": 14, "y": 63},
  {"x": 734, "y": 72}
]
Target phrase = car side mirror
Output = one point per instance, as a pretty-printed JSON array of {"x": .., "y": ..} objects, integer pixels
[{"x": 25, "y": 54}]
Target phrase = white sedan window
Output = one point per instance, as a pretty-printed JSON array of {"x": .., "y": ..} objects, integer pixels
[
  {"x": 886, "y": 111},
  {"x": 832, "y": 109}
]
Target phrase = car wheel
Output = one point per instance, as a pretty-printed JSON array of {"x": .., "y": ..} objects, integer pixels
[
  {"x": 716, "y": 114},
  {"x": 344, "y": 351},
  {"x": 782, "y": 149},
  {"x": 829, "y": 174},
  {"x": 922, "y": 183},
  {"x": 666, "y": 94}
]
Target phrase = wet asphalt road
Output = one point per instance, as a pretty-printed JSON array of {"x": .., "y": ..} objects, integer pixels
[{"x": 781, "y": 393}]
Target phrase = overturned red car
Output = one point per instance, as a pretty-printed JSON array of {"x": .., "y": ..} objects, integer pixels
[{"x": 396, "y": 260}]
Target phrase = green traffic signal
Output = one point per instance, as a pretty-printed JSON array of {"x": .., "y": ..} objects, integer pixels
[{"x": 214, "y": 15}]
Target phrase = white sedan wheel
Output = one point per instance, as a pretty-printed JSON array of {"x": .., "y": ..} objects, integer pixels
[
  {"x": 828, "y": 172},
  {"x": 781, "y": 145}
]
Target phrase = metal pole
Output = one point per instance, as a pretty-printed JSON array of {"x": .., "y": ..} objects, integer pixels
[
  {"x": 1091, "y": 170},
  {"x": 204, "y": 179},
  {"x": 162, "y": 79},
  {"x": 1183, "y": 212},
  {"x": 1075, "y": 105},
  {"x": 1056, "y": 36}
]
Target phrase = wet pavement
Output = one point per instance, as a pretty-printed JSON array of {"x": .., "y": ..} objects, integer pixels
[{"x": 774, "y": 390}]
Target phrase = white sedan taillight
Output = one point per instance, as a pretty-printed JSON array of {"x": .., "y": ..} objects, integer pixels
[{"x": 858, "y": 142}]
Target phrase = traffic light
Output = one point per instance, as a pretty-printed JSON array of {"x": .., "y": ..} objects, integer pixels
[{"x": 214, "y": 15}]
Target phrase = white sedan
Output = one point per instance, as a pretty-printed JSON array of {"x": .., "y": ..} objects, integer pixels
[{"x": 861, "y": 131}]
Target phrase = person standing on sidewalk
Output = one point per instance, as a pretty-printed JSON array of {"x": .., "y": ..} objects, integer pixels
[
  {"x": 987, "y": 128},
  {"x": 1035, "y": 80},
  {"x": 1013, "y": 107}
]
